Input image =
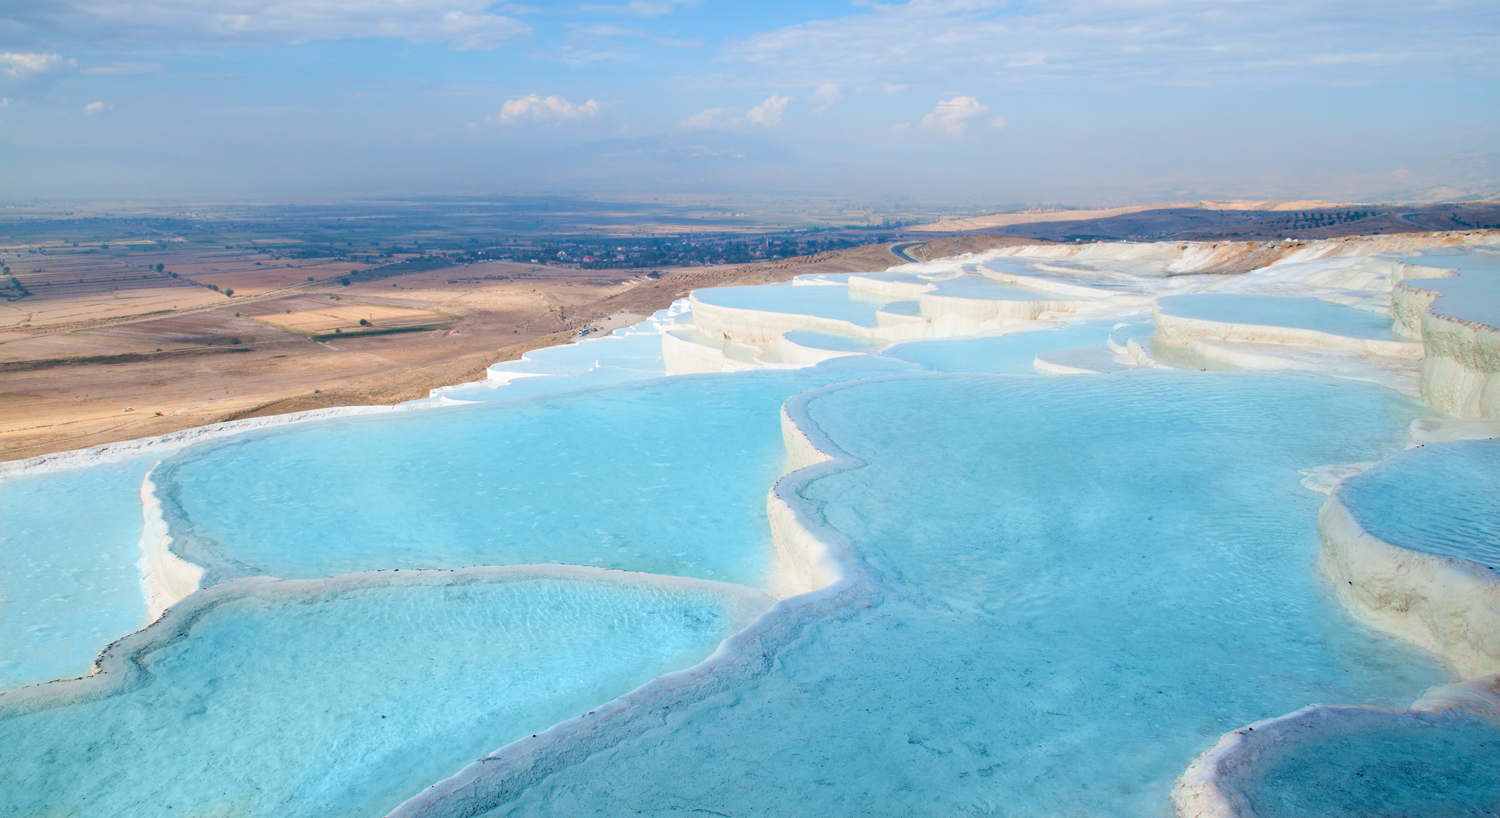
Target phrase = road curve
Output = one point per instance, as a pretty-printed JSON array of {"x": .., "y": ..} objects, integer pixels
[{"x": 899, "y": 251}]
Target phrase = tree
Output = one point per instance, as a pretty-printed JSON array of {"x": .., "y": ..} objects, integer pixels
[
  {"x": 160, "y": 267},
  {"x": 344, "y": 281}
]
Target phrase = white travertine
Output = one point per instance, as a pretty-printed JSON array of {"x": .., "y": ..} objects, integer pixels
[
  {"x": 166, "y": 578},
  {"x": 1445, "y": 605},
  {"x": 1212, "y": 786}
]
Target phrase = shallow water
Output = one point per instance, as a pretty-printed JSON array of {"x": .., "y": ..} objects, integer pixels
[
  {"x": 829, "y": 341},
  {"x": 1440, "y": 498},
  {"x": 1083, "y": 583},
  {"x": 978, "y": 287},
  {"x": 834, "y": 301},
  {"x": 349, "y": 705},
  {"x": 1474, "y": 295},
  {"x": 1011, "y": 353},
  {"x": 1280, "y": 311},
  {"x": 69, "y": 584},
  {"x": 1430, "y": 771},
  {"x": 667, "y": 476},
  {"x": 628, "y": 354}
]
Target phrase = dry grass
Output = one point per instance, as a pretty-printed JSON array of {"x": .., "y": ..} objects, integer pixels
[
  {"x": 69, "y": 390},
  {"x": 347, "y": 315}
]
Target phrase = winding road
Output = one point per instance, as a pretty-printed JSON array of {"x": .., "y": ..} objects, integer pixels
[{"x": 899, "y": 251}]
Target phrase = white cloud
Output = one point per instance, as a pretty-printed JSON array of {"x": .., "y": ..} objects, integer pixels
[
  {"x": 610, "y": 30},
  {"x": 825, "y": 96},
  {"x": 768, "y": 113},
  {"x": 998, "y": 123},
  {"x": 707, "y": 118},
  {"x": 1123, "y": 42},
  {"x": 459, "y": 24},
  {"x": 535, "y": 108},
  {"x": 952, "y": 116},
  {"x": 96, "y": 108},
  {"x": 640, "y": 8},
  {"x": 27, "y": 73},
  {"x": 125, "y": 68}
]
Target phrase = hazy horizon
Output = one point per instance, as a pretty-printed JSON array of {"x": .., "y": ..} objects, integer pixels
[{"x": 968, "y": 101}]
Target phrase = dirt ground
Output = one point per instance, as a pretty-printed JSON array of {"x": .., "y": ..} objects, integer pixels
[{"x": 96, "y": 371}]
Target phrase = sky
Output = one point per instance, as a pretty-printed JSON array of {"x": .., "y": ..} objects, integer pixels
[{"x": 984, "y": 101}]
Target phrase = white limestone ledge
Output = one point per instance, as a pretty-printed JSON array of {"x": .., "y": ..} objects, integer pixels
[
  {"x": 1445, "y": 605},
  {"x": 166, "y": 579},
  {"x": 1461, "y": 368},
  {"x": 1461, "y": 371},
  {"x": 1215, "y": 784},
  {"x": 1184, "y": 331}
]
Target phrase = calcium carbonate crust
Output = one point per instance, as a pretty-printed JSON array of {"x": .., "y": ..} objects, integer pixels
[
  {"x": 1445, "y": 605},
  {"x": 1461, "y": 370},
  {"x": 1212, "y": 786},
  {"x": 1184, "y": 331}
]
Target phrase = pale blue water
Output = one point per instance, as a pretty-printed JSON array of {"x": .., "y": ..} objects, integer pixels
[
  {"x": 1474, "y": 295},
  {"x": 1442, "y": 498},
  {"x": 903, "y": 308},
  {"x": 667, "y": 476},
  {"x": 824, "y": 340},
  {"x": 69, "y": 584},
  {"x": 1011, "y": 353},
  {"x": 979, "y": 287},
  {"x": 1082, "y": 583},
  {"x": 630, "y": 354},
  {"x": 1439, "y": 770},
  {"x": 822, "y": 300},
  {"x": 1279, "y": 311},
  {"x": 349, "y": 705},
  {"x": 1097, "y": 360},
  {"x": 732, "y": 350}
]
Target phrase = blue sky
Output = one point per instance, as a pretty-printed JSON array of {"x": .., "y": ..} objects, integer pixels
[{"x": 1065, "y": 102}]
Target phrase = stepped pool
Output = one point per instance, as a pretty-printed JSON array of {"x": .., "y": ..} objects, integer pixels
[
  {"x": 1280, "y": 311},
  {"x": 582, "y": 587},
  {"x": 1440, "y": 498},
  {"x": 1074, "y": 586},
  {"x": 69, "y": 584},
  {"x": 274, "y": 698},
  {"x": 667, "y": 476}
]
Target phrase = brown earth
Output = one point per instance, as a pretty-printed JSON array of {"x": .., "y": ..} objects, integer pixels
[{"x": 107, "y": 374}]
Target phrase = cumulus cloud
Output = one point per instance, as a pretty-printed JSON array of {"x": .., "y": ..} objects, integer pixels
[
  {"x": 30, "y": 73},
  {"x": 825, "y": 96},
  {"x": 535, "y": 108},
  {"x": 96, "y": 108},
  {"x": 707, "y": 118},
  {"x": 459, "y": 24},
  {"x": 768, "y": 113},
  {"x": 952, "y": 116}
]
